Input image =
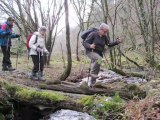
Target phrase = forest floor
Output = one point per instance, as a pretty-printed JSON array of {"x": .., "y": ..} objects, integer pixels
[
  {"x": 79, "y": 71},
  {"x": 51, "y": 72}
]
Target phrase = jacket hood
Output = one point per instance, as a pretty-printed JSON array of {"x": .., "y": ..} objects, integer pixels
[
  {"x": 36, "y": 33},
  {"x": 10, "y": 25}
]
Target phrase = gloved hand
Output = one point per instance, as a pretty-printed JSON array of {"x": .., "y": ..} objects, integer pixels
[
  {"x": 8, "y": 33},
  {"x": 39, "y": 49},
  {"x": 119, "y": 40},
  {"x": 47, "y": 53},
  {"x": 17, "y": 35}
]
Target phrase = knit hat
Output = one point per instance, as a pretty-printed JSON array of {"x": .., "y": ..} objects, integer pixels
[
  {"x": 10, "y": 19},
  {"x": 42, "y": 28}
]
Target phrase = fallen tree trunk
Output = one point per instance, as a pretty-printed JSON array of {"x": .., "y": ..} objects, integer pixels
[
  {"x": 128, "y": 91},
  {"x": 45, "y": 98}
]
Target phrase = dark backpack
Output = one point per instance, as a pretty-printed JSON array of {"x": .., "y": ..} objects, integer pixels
[{"x": 85, "y": 33}]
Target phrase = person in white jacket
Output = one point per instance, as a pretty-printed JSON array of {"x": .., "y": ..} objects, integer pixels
[{"x": 37, "y": 47}]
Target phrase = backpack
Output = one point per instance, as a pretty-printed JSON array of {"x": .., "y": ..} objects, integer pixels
[
  {"x": 2, "y": 35},
  {"x": 28, "y": 39},
  {"x": 85, "y": 33}
]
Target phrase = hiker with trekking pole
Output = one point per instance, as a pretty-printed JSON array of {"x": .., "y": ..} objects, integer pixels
[
  {"x": 94, "y": 45},
  {"x": 37, "y": 48},
  {"x": 5, "y": 42}
]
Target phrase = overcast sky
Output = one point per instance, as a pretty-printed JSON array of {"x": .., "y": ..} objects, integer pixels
[{"x": 72, "y": 16}]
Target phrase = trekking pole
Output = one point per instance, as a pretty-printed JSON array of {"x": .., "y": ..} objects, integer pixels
[
  {"x": 89, "y": 70},
  {"x": 90, "y": 67},
  {"x": 17, "y": 53},
  {"x": 107, "y": 61},
  {"x": 39, "y": 63},
  {"x": 47, "y": 60},
  {"x": 8, "y": 42}
]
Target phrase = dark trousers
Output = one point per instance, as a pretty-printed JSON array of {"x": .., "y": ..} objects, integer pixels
[
  {"x": 38, "y": 63},
  {"x": 6, "y": 56}
]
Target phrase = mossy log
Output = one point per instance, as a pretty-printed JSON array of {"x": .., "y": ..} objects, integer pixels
[
  {"x": 47, "y": 98},
  {"x": 128, "y": 91},
  {"x": 67, "y": 100},
  {"x": 121, "y": 72}
]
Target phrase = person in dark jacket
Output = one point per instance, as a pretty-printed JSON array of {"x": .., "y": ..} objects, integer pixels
[
  {"x": 95, "y": 44},
  {"x": 5, "y": 43}
]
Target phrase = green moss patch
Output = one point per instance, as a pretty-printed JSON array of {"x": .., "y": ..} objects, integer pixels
[
  {"x": 27, "y": 94},
  {"x": 87, "y": 101}
]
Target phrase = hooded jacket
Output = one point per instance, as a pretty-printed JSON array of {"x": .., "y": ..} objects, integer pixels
[
  {"x": 40, "y": 43},
  {"x": 5, "y": 40}
]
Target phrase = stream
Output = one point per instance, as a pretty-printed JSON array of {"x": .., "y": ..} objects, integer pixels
[
  {"x": 23, "y": 111},
  {"x": 70, "y": 115}
]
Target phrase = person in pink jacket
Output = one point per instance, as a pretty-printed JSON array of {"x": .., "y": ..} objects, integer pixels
[{"x": 5, "y": 42}]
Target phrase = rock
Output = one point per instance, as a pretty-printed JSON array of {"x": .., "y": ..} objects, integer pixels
[
  {"x": 108, "y": 76},
  {"x": 70, "y": 115}
]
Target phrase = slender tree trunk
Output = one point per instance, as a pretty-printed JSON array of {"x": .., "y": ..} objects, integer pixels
[
  {"x": 106, "y": 15},
  {"x": 69, "y": 58},
  {"x": 143, "y": 26},
  {"x": 63, "y": 56},
  {"x": 77, "y": 46},
  {"x": 152, "y": 33}
]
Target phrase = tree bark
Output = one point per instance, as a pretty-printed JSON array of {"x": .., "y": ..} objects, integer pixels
[
  {"x": 67, "y": 71},
  {"x": 98, "y": 89}
]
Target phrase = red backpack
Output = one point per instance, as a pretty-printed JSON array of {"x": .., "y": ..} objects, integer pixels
[{"x": 28, "y": 39}]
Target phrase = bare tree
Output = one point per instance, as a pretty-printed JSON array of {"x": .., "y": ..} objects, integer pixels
[
  {"x": 112, "y": 19},
  {"x": 146, "y": 13},
  {"x": 79, "y": 7},
  {"x": 83, "y": 10},
  {"x": 31, "y": 14},
  {"x": 69, "y": 58}
]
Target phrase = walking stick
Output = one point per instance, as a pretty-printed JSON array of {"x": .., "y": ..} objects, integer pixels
[
  {"x": 47, "y": 58},
  {"x": 107, "y": 61},
  {"x": 39, "y": 64},
  {"x": 8, "y": 41},
  {"x": 17, "y": 53},
  {"x": 89, "y": 70}
]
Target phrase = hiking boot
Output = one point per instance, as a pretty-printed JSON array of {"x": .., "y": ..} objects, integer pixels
[
  {"x": 33, "y": 76},
  {"x": 91, "y": 83},
  {"x": 10, "y": 68},
  {"x": 40, "y": 76},
  {"x": 4, "y": 68}
]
